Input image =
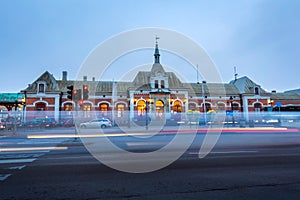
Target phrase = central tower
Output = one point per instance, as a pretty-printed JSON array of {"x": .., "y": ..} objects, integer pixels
[{"x": 159, "y": 83}]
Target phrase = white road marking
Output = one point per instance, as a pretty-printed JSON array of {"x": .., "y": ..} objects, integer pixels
[
  {"x": 144, "y": 143},
  {"x": 17, "y": 167},
  {"x": 23, "y": 152},
  {"x": 27, "y": 156},
  {"x": 225, "y": 152},
  {"x": 19, "y": 156},
  {"x": 40, "y": 142},
  {"x": 17, "y": 161},
  {"x": 12, "y": 149},
  {"x": 4, "y": 176}
]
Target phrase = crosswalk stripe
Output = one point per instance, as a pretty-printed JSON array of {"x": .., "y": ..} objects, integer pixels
[
  {"x": 16, "y": 167},
  {"x": 17, "y": 161},
  {"x": 23, "y": 152},
  {"x": 4, "y": 176},
  {"x": 21, "y": 156}
]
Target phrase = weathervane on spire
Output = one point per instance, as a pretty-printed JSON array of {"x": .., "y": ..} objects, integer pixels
[
  {"x": 156, "y": 52},
  {"x": 156, "y": 38},
  {"x": 235, "y": 73}
]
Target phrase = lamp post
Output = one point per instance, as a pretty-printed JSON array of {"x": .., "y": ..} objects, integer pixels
[
  {"x": 203, "y": 100},
  {"x": 231, "y": 104},
  {"x": 60, "y": 105},
  {"x": 271, "y": 104},
  {"x": 24, "y": 107},
  {"x": 147, "y": 104}
]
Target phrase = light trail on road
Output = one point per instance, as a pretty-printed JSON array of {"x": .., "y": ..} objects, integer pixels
[{"x": 186, "y": 131}]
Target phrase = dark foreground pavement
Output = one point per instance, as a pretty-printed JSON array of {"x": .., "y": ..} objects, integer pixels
[{"x": 237, "y": 173}]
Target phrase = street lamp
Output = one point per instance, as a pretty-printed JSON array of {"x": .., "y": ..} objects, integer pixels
[
  {"x": 271, "y": 104},
  {"x": 231, "y": 103},
  {"x": 24, "y": 106},
  {"x": 147, "y": 105},
  {"x": 203, "y": 100}
]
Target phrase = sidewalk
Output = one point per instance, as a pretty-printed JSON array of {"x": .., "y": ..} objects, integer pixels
[
  {"x": 23, "y": 133},
  {"x": 290, "y": 124}
]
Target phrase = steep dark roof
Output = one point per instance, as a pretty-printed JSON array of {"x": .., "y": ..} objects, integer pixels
[
  {"x": 49, "y": 80},
  {"x": 246, "y": 86}
]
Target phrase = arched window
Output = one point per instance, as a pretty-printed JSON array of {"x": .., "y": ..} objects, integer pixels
[
  {"x": 207, "y": 107},
  {"x": 68, "y": 107},
  {"x": 235, "y": 106},
  {"x": 41, "y": 88},
  {"x": 156, "y": 84},
  {"x": 257, "y": 107},
  {"x": 120, "y": 109},
  {"x": 256, "y": 91},
  {"x": 221, "y": 106},
  {"x": 86, "y": 107},
  {"x": 40, "y": 106},
  {"x": 159, "y": 108},
  {"x": 104, "y": 109},
  {"x": 177, "y": 107},
  {"x": 162, "y": 84},
  {"x": 192, "y": 106},
  {"x": 141, "y": 108}
]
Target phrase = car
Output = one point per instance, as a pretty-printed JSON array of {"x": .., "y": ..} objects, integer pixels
[
  {"x": 34, "y": 123},
  {"x": 2, "y": 124},
  {"x": 49, "y": 122},
  {"x": 40, "y": 123},
  {"x": 97, "y": 123}
]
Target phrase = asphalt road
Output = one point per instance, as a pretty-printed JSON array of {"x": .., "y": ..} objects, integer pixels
[{"x": 241, "y": 166}]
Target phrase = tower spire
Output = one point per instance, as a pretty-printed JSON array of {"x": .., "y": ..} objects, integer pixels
[{"x": 156, "y": 52}]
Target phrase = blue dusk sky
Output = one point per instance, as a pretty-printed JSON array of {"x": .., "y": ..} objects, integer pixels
[{"x": 260, "y": 37}]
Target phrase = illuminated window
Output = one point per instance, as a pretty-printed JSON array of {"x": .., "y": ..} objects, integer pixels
[
  {"x": 141, "y": 108},
  {"x": 177, "y": 106},
  {"x": 104, "y": 108},
  {"x": 87, "y": 107},
  {"x": 120, "y": 109},
  {"x": 68, "y": 107}
]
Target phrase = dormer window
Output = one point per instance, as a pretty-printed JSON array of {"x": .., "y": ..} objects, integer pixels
[
  {"x": 156, "y": 84},
  {"x": 41, "y": 88},
  {"x": 256, "y": 90},
  {"x": 162, "y": 84}
]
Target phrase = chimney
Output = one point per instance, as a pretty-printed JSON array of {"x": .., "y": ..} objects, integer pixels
[
  {"x": 84, "y": 78},
  {"x": 64, "y": 75}
]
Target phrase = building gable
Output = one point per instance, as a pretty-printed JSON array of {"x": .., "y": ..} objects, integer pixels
[{"x": 47, "y": 79}]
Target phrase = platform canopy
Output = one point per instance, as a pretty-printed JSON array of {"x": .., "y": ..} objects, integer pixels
[{"x": 10, "y": 97}]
